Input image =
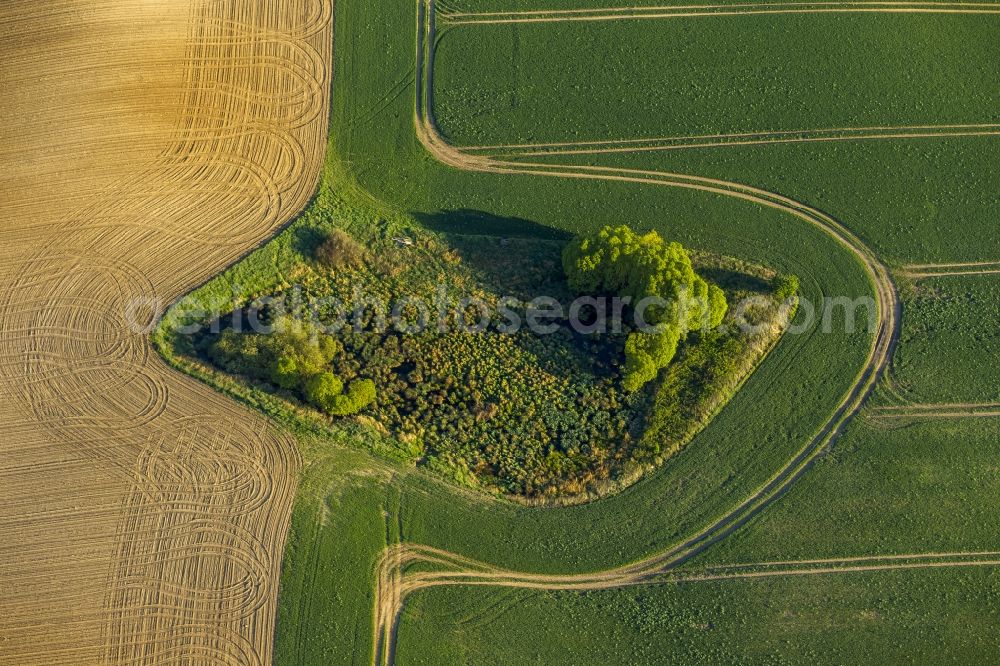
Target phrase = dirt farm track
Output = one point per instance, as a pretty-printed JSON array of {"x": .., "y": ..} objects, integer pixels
[{"x": 145, "y": 145}]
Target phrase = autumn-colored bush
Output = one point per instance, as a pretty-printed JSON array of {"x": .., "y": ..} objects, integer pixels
[{"x": 338, "y": 250}]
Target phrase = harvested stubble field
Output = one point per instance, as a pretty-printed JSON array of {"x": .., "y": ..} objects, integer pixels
[{"x": 145, "y": 145}]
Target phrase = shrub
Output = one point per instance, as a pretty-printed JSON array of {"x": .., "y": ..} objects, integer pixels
[
  {"x": 646, "y": 354},
  {"x": 359, "y": 395},
  {"x": 295, "y": 356},
  {"x": 285, "y": 372},
  {"x": 294, "y": 351},
  {"x": 227, "y": 349},
  {"x": 339, "y": 250},
  {"x": 717, "y": 306},
  {"x": 785, "y": 287},
  {"x": 322, "y": 390}
]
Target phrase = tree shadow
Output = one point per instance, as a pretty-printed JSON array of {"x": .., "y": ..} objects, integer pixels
[
  {"x": 515, "y": 257},
  {"x": 307, "y": 238},
  {"x": 730, "y": 279},
  {"x": 468, "y": 221}
]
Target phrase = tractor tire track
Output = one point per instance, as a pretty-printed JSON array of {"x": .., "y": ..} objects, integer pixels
[
  {"x": 145, "y": 514},
  {"x": 394, "y": 575}
]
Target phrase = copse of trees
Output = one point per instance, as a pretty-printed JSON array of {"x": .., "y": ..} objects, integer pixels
[
  {"x": 618, "y": 261},
  {"x": 296, "y": 357},
  {"x": 504, "y": 408}
]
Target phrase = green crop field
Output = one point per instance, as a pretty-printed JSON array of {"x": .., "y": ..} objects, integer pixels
[
  {"x": 888, "y": 488},
  {"x": 950, "y": 325},
  {"x": 884, "y": 617},
  {"x": 802, "y": 463},
  {"x": 925, "y": 487},
  {"x": 641, "y": 79}
]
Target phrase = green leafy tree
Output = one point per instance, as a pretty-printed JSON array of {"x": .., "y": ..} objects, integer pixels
[
  {"x": 322, "y": 390},
  {"x": 326, "y": 392},
  {"x": 227, "y": 349},
  {"x": 359, "y": 395},
  {"x": 300, "y": 348},
  {"x": 285, "y": 372},
  {"x": 295, "y": 356},
  {"x": 717, "y": 306},
  {"x": 647, "y": 353},
  {"x": 619, "y": 261}
]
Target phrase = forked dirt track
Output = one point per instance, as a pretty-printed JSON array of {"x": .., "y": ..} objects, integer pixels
[
  {"x": 397, "y": 575},
  {"x": 146, "y": 145}
]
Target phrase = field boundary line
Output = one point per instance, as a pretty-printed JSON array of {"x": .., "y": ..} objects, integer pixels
[
  {"x": 923, "y": 271},
  {"x": 165, "y": 505},
  {"x": 919, "y": 411},
  {"x": 739, "y": 139},
  {"x": 695, "y": 11},
  {"x": 857, "y": 564}
]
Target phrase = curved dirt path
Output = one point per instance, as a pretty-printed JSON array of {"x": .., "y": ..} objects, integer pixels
[
  {"x": 395, "y": 578},
  {"x": 146, "y": 145}
]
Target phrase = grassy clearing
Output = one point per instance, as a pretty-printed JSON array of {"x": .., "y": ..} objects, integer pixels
[
  {"x": 630, "y": 79},
  {"x": 886, "y": 617},
  {"x": 950, "y": 326}
]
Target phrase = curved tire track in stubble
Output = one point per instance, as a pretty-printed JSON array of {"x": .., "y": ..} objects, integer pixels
[
  {"x": 196, "y": 490},
  {"x": 395, "y": 582}
]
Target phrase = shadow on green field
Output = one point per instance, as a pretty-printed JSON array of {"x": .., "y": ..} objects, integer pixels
[{"x": 464, "y": 220}]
